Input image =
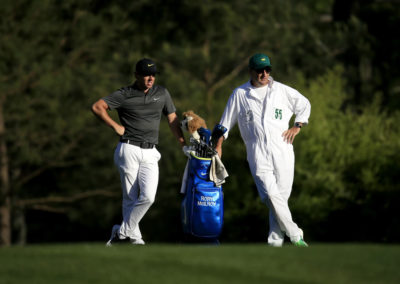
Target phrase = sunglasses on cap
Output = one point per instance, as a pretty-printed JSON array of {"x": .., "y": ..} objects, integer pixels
[{"x": 261, "y": 70}]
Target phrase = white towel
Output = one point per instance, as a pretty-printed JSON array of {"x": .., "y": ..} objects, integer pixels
[{"x": 218, "y": 173}]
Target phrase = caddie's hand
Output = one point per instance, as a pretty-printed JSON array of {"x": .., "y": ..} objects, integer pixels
[
  {"x": 288, "y": 135},
  {"x": 186, "y": 150},
  {"x": 120, "y": 130}
]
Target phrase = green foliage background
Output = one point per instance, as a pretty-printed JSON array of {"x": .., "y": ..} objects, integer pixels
[{"x": 58, "y": 57}]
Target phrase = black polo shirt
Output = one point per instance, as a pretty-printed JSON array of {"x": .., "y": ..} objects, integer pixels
[{"x": 140, "y": 113}]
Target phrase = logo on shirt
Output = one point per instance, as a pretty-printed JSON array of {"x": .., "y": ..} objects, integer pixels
[
  {"x": 248, "y": 116},
  {"x": 155, "y": 99},
  {"x": 149, "y": 65}
]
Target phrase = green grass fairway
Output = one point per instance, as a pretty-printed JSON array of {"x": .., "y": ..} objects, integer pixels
[{"x": 191, "y": 264}]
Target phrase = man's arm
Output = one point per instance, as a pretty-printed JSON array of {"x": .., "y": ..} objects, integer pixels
[
  {"x": 218, "y": 147},
  {"x": 100, "y": 108},
  {"x": 301, "y": 107},
  {"x": 175, "y": 127},
  {"x": 229, "y": 119}
]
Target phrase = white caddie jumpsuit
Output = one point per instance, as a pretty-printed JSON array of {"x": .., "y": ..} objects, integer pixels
[{"x": 262, "y": 120}]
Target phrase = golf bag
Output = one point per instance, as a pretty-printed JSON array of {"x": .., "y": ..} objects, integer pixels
[{"x": 202, "y": 209}]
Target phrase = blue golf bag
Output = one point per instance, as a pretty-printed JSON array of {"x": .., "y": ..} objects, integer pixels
[{"x": 202, "y": 209}]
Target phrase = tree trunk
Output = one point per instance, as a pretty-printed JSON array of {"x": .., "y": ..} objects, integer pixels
[{"x": 5, "y": 201}]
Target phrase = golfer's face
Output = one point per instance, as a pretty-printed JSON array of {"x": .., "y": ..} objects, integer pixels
[
  {"x": 259, "y": 78},
  {"x": 145, "y": 82}
]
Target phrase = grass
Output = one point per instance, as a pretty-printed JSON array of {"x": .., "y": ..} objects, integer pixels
[{"x": 191, "y": 264}]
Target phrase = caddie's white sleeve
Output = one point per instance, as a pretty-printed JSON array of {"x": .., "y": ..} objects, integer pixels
[
  {"x": 300, "y": 105},
  {"x": 229, "y": 117}
]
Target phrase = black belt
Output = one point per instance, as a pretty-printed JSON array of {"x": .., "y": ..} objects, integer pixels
[{"x": 143, "y": 145}]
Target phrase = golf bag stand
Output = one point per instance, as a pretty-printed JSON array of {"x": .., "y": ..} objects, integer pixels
[{"x": 202, "y": 209}]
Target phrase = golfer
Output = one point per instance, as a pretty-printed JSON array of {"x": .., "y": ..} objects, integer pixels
[
  {"x": 263, "y": 108},
  {"x": 139, "y": 108}
]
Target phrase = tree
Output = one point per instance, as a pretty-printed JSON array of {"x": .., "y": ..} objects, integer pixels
[
  {"x": 51, "y": 72},
  {"x": 345, "y": 166},
  {"x": 371, "y": 48},
  {"x": 56, "y": 59}
]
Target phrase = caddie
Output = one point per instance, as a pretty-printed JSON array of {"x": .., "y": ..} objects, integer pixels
[
  {"x": 263, "y": 108},
  {"x": 139, "y": 108}
]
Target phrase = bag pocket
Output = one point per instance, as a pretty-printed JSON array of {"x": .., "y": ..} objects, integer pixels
[{"x": 207, "y": 211}]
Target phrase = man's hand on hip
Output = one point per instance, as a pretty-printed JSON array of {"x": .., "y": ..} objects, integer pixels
[
  {"x": 119, "y": 129},
  {"x": 288, "y": 135}
]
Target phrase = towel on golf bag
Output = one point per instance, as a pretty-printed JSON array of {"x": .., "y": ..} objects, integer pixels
[
  {"x": 202, "y": 209},
  {"x": 218, "y": 173}
]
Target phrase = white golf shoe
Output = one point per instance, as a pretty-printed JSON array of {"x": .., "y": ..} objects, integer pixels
[
  {"x": 137, "y": 242},
  {"x": 278, "y": 244},
  {"x": 299, "y": 241}
]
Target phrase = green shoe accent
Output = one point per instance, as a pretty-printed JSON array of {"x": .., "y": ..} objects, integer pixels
[{"x": 300, "y": 243}]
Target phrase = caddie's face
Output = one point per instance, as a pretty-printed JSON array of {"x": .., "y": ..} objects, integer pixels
[
  {"x": 145, "y": 82},
  {"x": 260, "y": 77}
]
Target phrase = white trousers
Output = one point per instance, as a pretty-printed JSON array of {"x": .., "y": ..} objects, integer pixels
[
  {"x": 138, "y": 170},
  {"x": 274, "y": 180}
]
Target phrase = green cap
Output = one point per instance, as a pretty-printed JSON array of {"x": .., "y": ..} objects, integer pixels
[{"x": 259, "y": 61}]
